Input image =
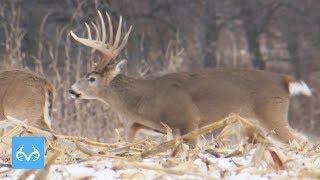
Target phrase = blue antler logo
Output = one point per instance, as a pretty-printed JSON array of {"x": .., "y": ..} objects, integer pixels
[
  {"x": 27, "y": 152},
  {"x": 22, "y": 156}
]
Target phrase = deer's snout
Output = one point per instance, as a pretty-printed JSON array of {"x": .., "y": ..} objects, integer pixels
[{"x": 74, "y": 94}]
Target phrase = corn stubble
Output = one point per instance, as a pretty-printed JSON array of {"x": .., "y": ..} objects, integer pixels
[{"x": 172, "y": 157}]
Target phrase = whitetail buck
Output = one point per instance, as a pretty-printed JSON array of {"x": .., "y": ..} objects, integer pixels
[
  {"x": 185, "y": 101},
  {"x": 26, "y": 96}
]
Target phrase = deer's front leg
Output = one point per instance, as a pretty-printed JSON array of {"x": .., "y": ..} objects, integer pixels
[{"x": 135, "y": 127}]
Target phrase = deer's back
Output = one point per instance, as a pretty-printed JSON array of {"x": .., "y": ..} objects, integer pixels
[{"x": 217, "y": 93}]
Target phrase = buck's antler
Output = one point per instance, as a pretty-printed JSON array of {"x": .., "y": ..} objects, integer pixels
[{"x": 110, "y": 49}]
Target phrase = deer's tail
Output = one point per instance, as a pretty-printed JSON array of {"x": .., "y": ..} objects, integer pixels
[
  {"x": 47, "y": 111},
  {"x": 296, "y": 87}
]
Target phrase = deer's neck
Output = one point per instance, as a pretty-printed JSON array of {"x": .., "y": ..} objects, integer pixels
[{"x": 128, "y": 92}]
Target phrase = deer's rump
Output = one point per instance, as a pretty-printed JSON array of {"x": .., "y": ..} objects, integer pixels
[{"x": 23, "y": 96}]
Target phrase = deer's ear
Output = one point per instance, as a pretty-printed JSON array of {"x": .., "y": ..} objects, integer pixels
[
  {"x": 119, "y": 67},
  {"x": 116, "y": 69}
]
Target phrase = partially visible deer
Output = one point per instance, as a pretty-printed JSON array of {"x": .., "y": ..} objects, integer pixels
[
  {"x": 26, "y": 96},
  {"x": 185, "y": 101}
]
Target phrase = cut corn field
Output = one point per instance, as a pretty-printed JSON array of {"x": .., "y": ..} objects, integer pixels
[{"x": 72, "y": 157}]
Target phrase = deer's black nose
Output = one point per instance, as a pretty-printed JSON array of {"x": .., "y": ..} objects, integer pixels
[{"x": 74, "y": 93}]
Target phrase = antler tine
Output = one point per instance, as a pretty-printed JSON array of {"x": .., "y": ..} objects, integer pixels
[
  {"x": 103, "y": 27},
  {"x": 89, "y": 31},
  {"x": 125, "y": 40},
  {"x": 110, "y": 29},
  {"x": 118, "y": 35},
  {"x": 87, "y": 42},
  {"x": 110, "y": 49},
  {"x": 97, "y": 31}
]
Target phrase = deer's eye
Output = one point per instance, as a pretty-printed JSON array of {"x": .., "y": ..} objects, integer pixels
[{"x": 92, "y": 79}]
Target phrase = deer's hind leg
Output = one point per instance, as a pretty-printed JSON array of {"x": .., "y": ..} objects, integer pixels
[
  {"x": 3, "y": 128},
  {"x": 193, "y": 119},
  {"x": 273, "y": 115}
]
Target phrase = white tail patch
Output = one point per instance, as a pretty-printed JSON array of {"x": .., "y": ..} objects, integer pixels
[
  {"x": 296, "y": 88},
  {"x": 46, "y": 110}
]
